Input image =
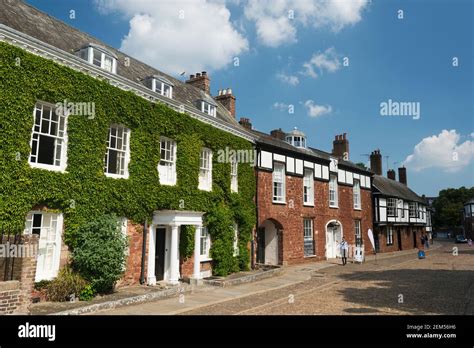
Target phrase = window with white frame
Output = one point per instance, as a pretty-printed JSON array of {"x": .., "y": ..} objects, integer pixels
[
  {"x": 389, "y": 235},
  {"x": 167, "y": 165},
  {"x": 234, "y": 179},
  {"x": 308, "y": 187},
  {"x": 99, "y": 58},
  {"x": 48, "y": 138},
  {"x": 356, "y": 194},
  {"x": 205, "y": 170},
  {"x": 412, "y": 209},
  {"x": 236, "y": 240},
  {"x": 205, "y": 245},
  {"x": 358, "y": 233},
  {"x": 161, "y": 86},
  {"x": 279, "y": 194},
  {"x": 208, "y": 108},
  {"x": 309, "y": 249},
  {"x": 391, "y": 207},
  {"x": 401, "y": 207},
  {"x": 333, "y": 194},
  {"x": 49, "y": 228},
  {"x": 117, "y": 155}
]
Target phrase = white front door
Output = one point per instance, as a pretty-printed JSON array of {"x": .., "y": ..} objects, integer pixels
[
  {"x": 49, "y": 227},
  {"x": 333, "y": 238}
]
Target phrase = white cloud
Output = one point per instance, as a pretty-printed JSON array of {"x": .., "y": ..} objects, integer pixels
[
  {"x": 320, "y": 62},
  {"x": 444, "y": 151},
  {"x": 180, "y": 35},
  {"x": 315, "y": 110},
  {"x": 289, "y": 79},
  {"x": 276, "y": 21}
]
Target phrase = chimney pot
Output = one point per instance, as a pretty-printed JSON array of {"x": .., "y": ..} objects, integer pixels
[
  {"x": 191, "y": 77},
  {"x": 376, "y": 162},
  {"x": 203, "y": 73},
  {"x": 340, "y": 147},
  {"x": 198, "y": 75}
]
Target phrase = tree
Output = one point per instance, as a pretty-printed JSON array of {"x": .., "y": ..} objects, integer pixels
[{"x": 449, "y": 205}]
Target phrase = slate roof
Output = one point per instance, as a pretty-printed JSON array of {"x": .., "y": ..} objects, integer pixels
[
  {"x": 393, "y": 188},
  {"x": 26, "y": 19}
]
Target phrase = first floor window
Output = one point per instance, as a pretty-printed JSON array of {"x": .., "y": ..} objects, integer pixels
[
  {"x": 308, "y": 237},
  {"x": 118, "y": 152},
  {"x": 412, "y": 209},
  {"x": 205, "y": 243},
  {"x": 356, "y": 194},
  {"x": 49, "y": 228},
  {"x": 279, "y": 183},
  {"x": 389, "y": 235},
  {"x": 167, "y": 165},
  {"x": 48, "y": 138},
  {"x": 391, "y": 207},
  {"x": 205, "y": 170},
  {"x": 333, "y": 199},
  {"x": 358, "y": 233},
  {"x": 236, "y": 240},
  {"x": 234, "y": 182},
  {"x": 308, "y": 187}
]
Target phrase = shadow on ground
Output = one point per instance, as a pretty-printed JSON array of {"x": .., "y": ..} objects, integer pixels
[{"x": 414, "y": 291}]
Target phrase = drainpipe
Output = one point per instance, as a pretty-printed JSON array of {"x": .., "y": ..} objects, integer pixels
[
  {"x": 142, "y": 271},
  {"x": 252, "y": 245}
]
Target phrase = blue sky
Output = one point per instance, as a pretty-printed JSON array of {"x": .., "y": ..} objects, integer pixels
[{"x": 296, "y": 59}]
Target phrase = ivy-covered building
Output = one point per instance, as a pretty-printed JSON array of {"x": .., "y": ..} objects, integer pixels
[{"x": 87, "y": 130}]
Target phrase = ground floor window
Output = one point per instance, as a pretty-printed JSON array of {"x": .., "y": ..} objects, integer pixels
[
  {"x": 389, "y": 235},
  {"x": 358, "y": 233},
  {"x": 205, "y": 246},
  {"x": 309, "y": 249}
]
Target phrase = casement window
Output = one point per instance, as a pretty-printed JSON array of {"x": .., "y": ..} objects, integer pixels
[
  {"x": 391, "y": 207},
  {"x": 205, "y": 170},
  {"x": 308, "y": 187},
  {"x": 279, "y": 194},
  {"x": 234, "y": 179},
  {"x": 160, "y": 85},
  {"x": 100, "y": 57},
  {"x": 205, "y": 245},
  {"x": 412, "y": 209},
  {"x": 389, "y": 235},
  {"x": 401, "y": 206},
  {"x": 167, "y": 165},
  {"x": 235, "y": 244},
  {"x": 356, "y": 194},
  {"x": 358, "y": 233},
  {"x": 309, "y": 249},
  {"x": 49, "y": 228},
  {"x": 208, "y": 108},
  {"x": 48, "y": 138},
  {"x": 117, "y": 155},
  {"x": 333, "y": 196}
]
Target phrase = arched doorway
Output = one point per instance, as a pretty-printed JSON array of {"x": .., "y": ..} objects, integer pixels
[
  {"x": 269, "y": 243},
  {"x": 333, "y": 238}
]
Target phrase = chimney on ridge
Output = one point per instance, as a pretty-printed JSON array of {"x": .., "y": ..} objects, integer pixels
[
  {"x": 201, "y": 81},
  {"x": 245, "y": 122},
  {"x": 340, "y": 146},
  {"x": 227, "y": 99},
  {"x": 376, "y": 162},
  {"x": 278, "y": 133},
  {"x": 402, "y": 175},
  {"x": 391, "y": 174}
]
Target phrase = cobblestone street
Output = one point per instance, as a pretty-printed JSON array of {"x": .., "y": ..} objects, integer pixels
[{"x": 442, "y": 283}]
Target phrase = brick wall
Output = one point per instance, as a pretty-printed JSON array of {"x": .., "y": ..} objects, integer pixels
[
  {"x": 291, "y": 215},
  {"x": 10, "y": 297},
  {"x": 406, "y": 235},
  {"x": 134, "y": 258}
]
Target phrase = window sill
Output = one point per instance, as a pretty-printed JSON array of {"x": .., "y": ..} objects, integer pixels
[
  {"x": 208, "y": 189},
  {"x": 310, "y": 256},
  {"x": 334, "y": 207},
  {"x": 357, "y": 208},
  {"x": 308, "y": 205},
  {"x": 205, "y": 259},
  {"x": 116, "y": 176},
  {"x": 279, "y": 202},
  {"x": 49, "y": 167},
  {"x": 168, "y": 183}
]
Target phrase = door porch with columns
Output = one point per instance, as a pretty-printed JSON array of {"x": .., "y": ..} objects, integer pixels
[{"x": 163, "y": 244}]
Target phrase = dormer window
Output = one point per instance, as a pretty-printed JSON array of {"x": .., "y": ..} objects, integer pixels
[
  {"x": 208, "y": 108},
  {"x": 160, "y": 85},
  {"x": 99, "y": 56},
  {"x": 296, "y": 138}
]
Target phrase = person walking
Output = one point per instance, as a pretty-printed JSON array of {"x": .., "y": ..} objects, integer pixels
[
  {"x": 344, "y": 248},
  {"x": 427, "y": 243}
]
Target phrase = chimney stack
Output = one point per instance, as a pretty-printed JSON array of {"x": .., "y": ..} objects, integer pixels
[
  {"x": 402, "y": 175},
  {"x": 227, "y": 99},
  {"x": 201, "y": 81},
  {"x": 340, "y": 146},
  {"x": 245, "y": 122},
  {"x": 391, "y": 174},
  {"x": 376, "y": 162},
  {"x": 278, "y": 133}
]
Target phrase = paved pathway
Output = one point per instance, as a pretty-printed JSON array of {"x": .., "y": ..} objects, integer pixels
[{"x": 394, "y": 284}]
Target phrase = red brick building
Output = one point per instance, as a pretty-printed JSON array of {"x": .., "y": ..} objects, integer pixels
[{"x": 307, "y": 200}]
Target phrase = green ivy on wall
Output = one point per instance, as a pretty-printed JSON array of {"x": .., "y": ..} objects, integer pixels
[{"x": 84, "y": 192}]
